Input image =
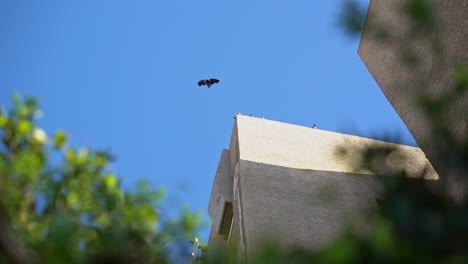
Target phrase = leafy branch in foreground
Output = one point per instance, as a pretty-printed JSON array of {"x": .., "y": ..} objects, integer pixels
[{"x": 60, "y": 204}]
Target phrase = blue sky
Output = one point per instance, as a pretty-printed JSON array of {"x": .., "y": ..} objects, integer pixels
[{"x": 122, "y": 75}]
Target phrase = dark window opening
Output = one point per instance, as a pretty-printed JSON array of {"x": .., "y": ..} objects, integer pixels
[
  {"x": 226, "y": 221},
  {"x": 382, "y": 204}
]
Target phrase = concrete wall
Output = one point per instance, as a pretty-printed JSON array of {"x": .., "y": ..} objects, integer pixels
[
  {"x": 303, "y": 208},
  {"x": 221, "y": 193},
  {"x": 387, "y": 45},
  {"x": 287, "y": 183}
]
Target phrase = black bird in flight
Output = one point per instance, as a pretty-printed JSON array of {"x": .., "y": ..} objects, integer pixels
[{"x": 208, "y": 82}]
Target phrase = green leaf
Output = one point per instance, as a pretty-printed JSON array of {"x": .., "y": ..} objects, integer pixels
[
  {"x": 82, "y": 156},
  {"x": 461, "y": 74},
  {"x": 421, "y": 12},
  {"x": 382, "y": 239},
  {"x": 103, "y": 220},
  {"x": 23, "y": 127},
  {"x": 3, "y": 164},
  {"x": 60, "y": 139},
  {"x": 100, "y": 159},
  {"x": 27, "y": 164},
  {"x": 16, "y": 99},
  {"x": 73, "y": 200},
  {"x": 23, "y": 111},
  {"x": 3, "y": 121},
  {"x": 341, "y": 251},
  {"x": 110, "y": 181},
  {"x": 70, "y": 156},
  {"x": 31, "y": 102}
]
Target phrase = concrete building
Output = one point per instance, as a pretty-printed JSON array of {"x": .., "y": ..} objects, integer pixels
[
  {"x": 293, "y": 184},
  {"x": 414, "y": 58}
]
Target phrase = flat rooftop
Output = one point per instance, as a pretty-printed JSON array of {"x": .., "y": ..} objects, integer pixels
[{"x": 282, "y": 144}]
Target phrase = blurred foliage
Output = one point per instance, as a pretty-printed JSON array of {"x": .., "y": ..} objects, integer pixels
[
  {"x": 352, "y": 18},
  {"x": 75, "y": 210},
  {"x": 419, "y": 221}
]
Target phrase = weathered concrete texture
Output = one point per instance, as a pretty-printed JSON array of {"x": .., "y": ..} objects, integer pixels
[
  {"x": 234, "y": 148},
  {"x": 215, "y": 238},
  {"x": 300, "y": 147},
  {"x": 408, "y": 63},
  {"x": 303, "y": 208},
  {"x": 221, "y": 191},
  {"x": 288, "y": 183}
]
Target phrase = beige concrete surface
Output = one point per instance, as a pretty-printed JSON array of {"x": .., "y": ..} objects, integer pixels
[
  {"x": 299, "y": 147},
  {"x": 436, "y": 54},
  {"x": 221, "y": 191},
  {"x": 288, "y": 184}
]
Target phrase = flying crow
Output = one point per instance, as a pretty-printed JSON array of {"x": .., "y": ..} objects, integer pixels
[{"x": 208, "y": 82}]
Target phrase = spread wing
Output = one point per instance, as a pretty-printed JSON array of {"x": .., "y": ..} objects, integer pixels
[
  {"x": 213, "y": 81},
  {"x": 202, "y": 82}
]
